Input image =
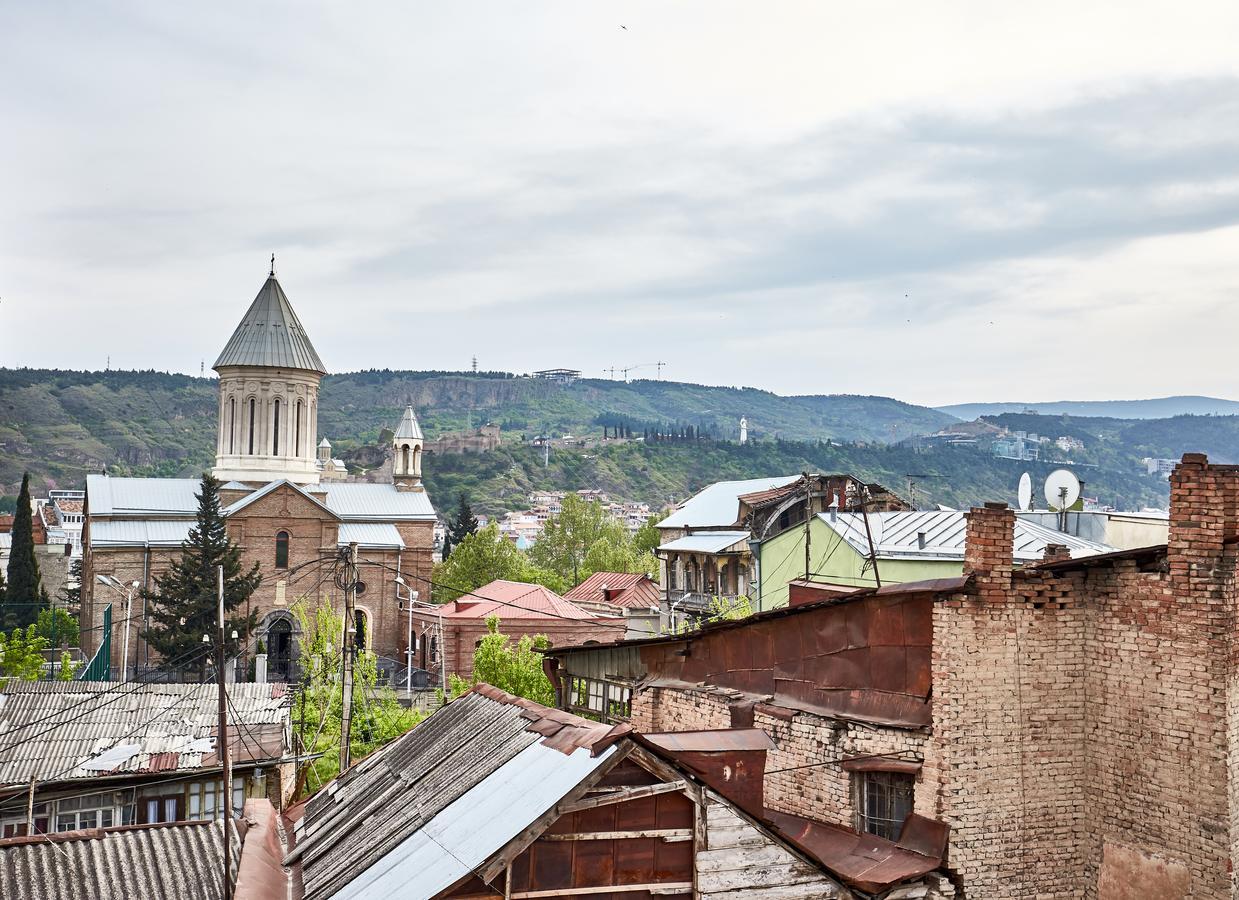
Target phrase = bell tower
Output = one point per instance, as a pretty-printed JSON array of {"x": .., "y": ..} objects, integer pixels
[
  {"x": 407, "y": 453},
  {"x": 269, "y": 376}
]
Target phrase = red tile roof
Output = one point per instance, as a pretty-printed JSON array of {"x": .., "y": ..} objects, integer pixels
[
  {"x": 514, "y": 600},
  {"x": 623, "y": 589}
]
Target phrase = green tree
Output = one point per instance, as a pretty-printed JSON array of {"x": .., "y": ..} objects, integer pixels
[
  {"x": 183, "y": 605},
  {"x": 23, "y": 595},
  {"x": 515, "y": 668},
  {"x": 23, "y": 652},
  {"x": 569, "y": 537},
  {"x": 647, "y": 537},
  {"x": 465, "y": 523},
  {"x": 482, "y": 558},
  {"x": 318, "y": 712},
  {"x": 71, "y": 594}
]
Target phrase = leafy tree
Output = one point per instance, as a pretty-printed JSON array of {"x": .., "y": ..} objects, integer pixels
[
  {"x": 515, "y": 668},
  {"x": 22, "y": 656},
  {"x": 318, "y": 712},
  {"x": 183, "y": 605},
  {"x": 647, "y": 538},
  {"x": 23, "y": 594},
  {"x": 483, "y": 557},
  {"x": 570, "y": 536},
  {"x": 465, "y": 523}
]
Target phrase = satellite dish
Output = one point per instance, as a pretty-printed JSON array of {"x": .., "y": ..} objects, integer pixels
[
  {"x": 1062, "y": 490},
  {"x": 1025, "y": 492}
]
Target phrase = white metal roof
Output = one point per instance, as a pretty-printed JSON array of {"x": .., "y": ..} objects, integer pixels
[
  {"x": 719, "y": 504},
  {"x": 895, "y": 536},
  {"x": 706, "y": 542},
  {"x": 138, "y": 496},
  {"x": 380, "y": 535},
  {"x": 476, "y": 825},
  {"x": 266, "y": 489},
  {"x": 377, "y": 501},
  {"x": 140, "y": 532}
]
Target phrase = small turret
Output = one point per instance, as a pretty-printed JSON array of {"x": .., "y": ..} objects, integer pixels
[
  {"x": 407, "y": 453},
  {"x": 324, "y": 450}
]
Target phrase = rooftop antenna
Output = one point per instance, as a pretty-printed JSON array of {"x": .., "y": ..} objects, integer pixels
[{"x": 1025, "y": 493}]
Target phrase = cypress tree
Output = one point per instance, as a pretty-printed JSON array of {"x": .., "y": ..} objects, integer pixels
[
  {"x": 183, "y": 605},
  {"x": 447, "y": 547},
  {"x": 464, "y": 524},
  {"x": 21, "y": 607}
]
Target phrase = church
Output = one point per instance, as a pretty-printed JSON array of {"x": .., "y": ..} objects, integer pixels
[{"x": 284, "y": 502}]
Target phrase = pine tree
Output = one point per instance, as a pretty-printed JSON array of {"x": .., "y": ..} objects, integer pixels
[
  {"x": 447, "y": 547},
  {"x": 464, "y": 524},
  {"x": 21, "y": 607},
  {"x": 183, "y": 605}
]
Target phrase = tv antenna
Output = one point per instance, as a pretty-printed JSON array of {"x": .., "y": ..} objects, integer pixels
[
  {"x": 1062, "y": 490},
  {"x": 1025, "y": 493}
]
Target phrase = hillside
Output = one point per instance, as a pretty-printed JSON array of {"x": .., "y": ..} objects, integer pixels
[
  {"x": 1158, "y": 408},
  {"x": 61, "y": 424}
]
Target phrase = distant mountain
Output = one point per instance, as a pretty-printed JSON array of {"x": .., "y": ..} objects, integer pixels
[{"x": 1157, "y": 408}]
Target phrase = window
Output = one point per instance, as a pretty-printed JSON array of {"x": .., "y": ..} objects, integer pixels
[
  {"x": 602, "y": 701},
  {"x": 281, "y": 550},
  {"x": 275, "y": 430},
  {"x": 885, "y": 800},
  {"x": 297, "y": 452},
  {"x": 15, "y": 825},
  {"x": 359, "y": 626},
  {"x": 204, "y": 798},
  {"x": 92, "y": 811},
  {"x": 253, "y": 404},
  {"x": 232, "y": 425}
]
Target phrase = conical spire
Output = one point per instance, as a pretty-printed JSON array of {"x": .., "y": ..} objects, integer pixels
[
  {"x": 270, "y": 334},
  {"x": 408, "y": 427}
]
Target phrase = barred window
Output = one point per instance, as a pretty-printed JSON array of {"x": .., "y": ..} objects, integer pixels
[{"x": 884, "y": 802}]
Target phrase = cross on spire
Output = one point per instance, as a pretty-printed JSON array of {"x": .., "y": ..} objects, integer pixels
[{"x": 272, "y": 264}]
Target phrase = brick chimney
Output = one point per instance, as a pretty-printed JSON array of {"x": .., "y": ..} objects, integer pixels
[
  {"x": 1203, "y": 517},
  {"x": 1055, "y": 553},
  {"x": 989, "y": 546}
]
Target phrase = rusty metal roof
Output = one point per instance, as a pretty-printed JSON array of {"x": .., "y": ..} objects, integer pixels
[
  {"x": 416, "y": 815},
  {"x": 68, "y": 731},
  {"x": 178, "y": 861},
  {"x": 866, "y": 861},
  {"x": 714, "y": 740},
  {"x": 633, "y": 589}
]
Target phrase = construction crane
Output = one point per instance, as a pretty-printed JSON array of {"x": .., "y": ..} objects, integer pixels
[{"x": 628, "y": 369}]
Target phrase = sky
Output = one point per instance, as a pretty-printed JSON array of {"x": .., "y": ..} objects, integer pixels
[{"x": 939, "y": 202}]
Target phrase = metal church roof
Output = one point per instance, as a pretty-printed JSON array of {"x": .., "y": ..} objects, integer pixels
[
  {"x": 270, "y": 334},
  {"x": 408, "y": 427}
]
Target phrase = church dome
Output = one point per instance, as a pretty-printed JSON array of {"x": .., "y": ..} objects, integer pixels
[{"x": 270, "y": 334}]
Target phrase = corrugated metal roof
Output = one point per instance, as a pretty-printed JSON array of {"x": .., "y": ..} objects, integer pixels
[
  {"x": 514, "y": 600},
  {"x": 408, "y": 427},
  {"x": 140, "y": 532},
  {"x": 377, "y": 501},
  {"x": 630, "y": 589},
  {"x": 135, "y": 496},
  {"x": 895, "y": 536},
  {"x": 61, "y": 731},
  {"x": 270, "y": 334},
  {"x": 370, "y": 534},
  {"x": 706, "y": 542},
  {"x": 146, "y": 862},
  {"x": 719, "y": 504},
  {"x": 447, "y": 794}
]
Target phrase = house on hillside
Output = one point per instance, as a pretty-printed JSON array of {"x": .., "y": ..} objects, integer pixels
[
  {"x": 1071, "y": 720},
  {"x": 908, "y": 546},
  {"x": 497, "y": 796},
  {"x": 103, "y": 755},
  {"x": 521, "y": 608}
]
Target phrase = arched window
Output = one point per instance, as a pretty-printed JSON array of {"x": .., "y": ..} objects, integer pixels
[
  {"x": 417, "y": 459},
  {"x": 359, "y": 624},
  {"x": 404, "y": 459},
  {"x": 253, "y": 406},
  {"x": 281, "y": 550},
  {"x": 232, "y": 425},
  {"x": 275, "y": 430},
  {"x": 297, "y": 452},
  {"x": 280, "y": 650}
]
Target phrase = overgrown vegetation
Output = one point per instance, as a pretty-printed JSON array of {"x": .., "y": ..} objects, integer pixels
[{"x": 512, "y": 667}]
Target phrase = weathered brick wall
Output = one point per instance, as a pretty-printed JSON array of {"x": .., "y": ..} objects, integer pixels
[{"x": 803, "y": 775}]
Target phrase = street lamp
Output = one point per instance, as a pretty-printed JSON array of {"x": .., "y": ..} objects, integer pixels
[
  {"x": 414, "y": 601},
  {"x": 127, "y": 590}
]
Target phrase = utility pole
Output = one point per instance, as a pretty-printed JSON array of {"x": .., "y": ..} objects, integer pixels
[
  {"x": 873, "y": 553},
  {"x": 350, "y": 598},
  {"x": 225, "y": 754},
  {"x": 808, "y": 512},
  {"x": 442, "y": 655}
]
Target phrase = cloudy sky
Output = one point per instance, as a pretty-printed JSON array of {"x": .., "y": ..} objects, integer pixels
[{"x": 941, "y": 202}]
